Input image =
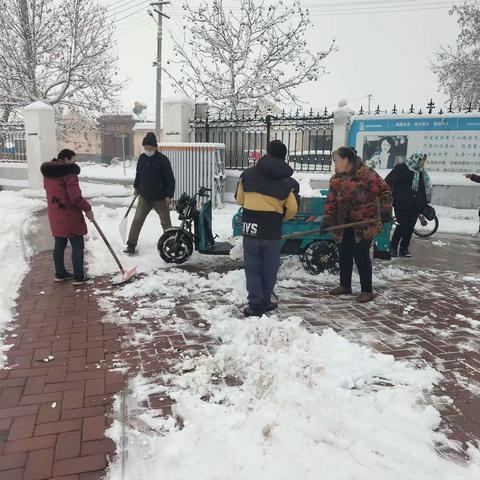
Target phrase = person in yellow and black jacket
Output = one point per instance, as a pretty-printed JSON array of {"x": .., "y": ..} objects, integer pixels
[{"x": 269, "y": 195}]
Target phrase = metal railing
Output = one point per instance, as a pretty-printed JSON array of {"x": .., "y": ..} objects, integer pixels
[
  {"x": 12, "y": 142},
  {"x": 308, "y": 138}
]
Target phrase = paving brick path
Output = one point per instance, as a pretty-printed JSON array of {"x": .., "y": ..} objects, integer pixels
[
  {"x": 57, "y": 391},
  {"x": 53, "y": 414}
]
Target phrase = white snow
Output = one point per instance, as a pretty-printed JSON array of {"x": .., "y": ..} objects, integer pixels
[
  {"x": 455, "y": 220},
  {"x": 16, "y": 214},
  {"x": 308, "y": 405}
]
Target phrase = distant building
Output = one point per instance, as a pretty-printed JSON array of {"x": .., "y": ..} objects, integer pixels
[
  {"x": 82, "y": 136},
  {"x": 117, "y": 136}
]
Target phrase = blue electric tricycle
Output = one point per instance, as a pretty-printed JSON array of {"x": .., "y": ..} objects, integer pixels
[{"x": 317, "y": 251}]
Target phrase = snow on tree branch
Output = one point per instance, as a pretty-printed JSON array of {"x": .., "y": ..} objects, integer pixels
[
  {"x": 458, "y": 66},
  {"x": 58, "y": 52},
  {"x": 236, "y": 58}
]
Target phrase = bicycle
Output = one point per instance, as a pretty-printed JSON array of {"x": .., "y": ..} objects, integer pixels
[{"x": 424, "y": 227}]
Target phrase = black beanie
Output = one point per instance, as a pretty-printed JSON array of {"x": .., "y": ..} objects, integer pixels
[
  {"x": 277, "y": 149},
  {"x": 150, "y": 140}
]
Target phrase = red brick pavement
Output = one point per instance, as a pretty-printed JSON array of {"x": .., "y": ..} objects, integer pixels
[
  {"x": 57, "y": 390},
  {"x": 53, "y": 414}
]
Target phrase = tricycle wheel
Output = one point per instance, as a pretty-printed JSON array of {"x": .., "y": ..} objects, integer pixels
[
  {"x": 175, "y": 247},
  {"x": 320, "y": 257}
]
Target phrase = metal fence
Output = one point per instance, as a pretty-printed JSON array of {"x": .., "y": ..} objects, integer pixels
[
  {"x": 197, "y": 165},
  {"x": 12, "y": 142},
  {"x": 308, "y": 138}
]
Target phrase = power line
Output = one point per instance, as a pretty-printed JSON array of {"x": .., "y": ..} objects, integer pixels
[
  {"x": 142, "y": 3},
  {"x": 115, "y": 3},
  {"x": 118, "y": 20}
]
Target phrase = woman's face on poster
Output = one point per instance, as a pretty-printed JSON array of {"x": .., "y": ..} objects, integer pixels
[{"x": 386, "y": 146}]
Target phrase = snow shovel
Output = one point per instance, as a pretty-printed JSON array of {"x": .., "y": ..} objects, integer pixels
[
  {"x": 126, "y": 275},
  {"x": 124, "y": 223},
  {"x": 330, "y": 229}
]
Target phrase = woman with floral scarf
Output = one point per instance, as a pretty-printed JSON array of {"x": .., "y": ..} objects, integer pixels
[{"x": 412, "y": 192}]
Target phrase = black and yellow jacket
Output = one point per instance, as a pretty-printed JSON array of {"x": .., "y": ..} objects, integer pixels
[{"x": 269, "y": 195}]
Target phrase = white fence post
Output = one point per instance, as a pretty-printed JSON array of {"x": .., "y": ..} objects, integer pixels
[
  {"x": 41, "y": 140},
  {"x": 341, "y": 125},
  {"x": 176, "y": 117}
]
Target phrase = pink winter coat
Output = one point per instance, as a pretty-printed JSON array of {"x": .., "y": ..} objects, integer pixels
[{"x": 65, "y": 201}]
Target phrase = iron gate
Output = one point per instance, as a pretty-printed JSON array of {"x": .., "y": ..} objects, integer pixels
[
  {"x": 12, "y": 142},
  {"x": 308, "y": 138}
]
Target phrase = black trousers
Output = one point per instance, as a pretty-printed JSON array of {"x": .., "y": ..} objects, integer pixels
[
  {"x": 350, "y": 250},
  {"x": 402, "y": 236},
  {"x": 78, "y": 245},
  {"x": 262, "y": 261}
]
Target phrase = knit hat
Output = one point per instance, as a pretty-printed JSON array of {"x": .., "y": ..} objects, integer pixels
[
  {"x": 150, "y": 140},
  {"x": 277, "y": 149}
]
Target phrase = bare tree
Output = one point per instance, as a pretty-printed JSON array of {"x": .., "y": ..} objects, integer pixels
[
  {"x": 458, "y": 66},
  {"x": 237, "y": 58},
  {"x": 57, "y": 52}
]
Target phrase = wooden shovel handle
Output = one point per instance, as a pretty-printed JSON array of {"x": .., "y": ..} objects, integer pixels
[
  {"x": 131, "y": 205},
  {"x": 330, "y": 229},
  {"x": 350, "y": 225}
]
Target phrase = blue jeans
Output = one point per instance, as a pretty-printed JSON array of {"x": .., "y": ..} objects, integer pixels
[
  {"x": 78, "y": 245},
  {"x": 262, "y": 261}
]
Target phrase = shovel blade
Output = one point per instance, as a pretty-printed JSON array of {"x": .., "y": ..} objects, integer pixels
[
  {"x": 122, "y": 228},
  {"x": 124, "y": 277}
]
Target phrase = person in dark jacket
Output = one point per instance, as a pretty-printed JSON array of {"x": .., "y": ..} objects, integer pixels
[
  {"x": 476, "y": 179},
  {"x": 356, "y": 194},
  {"x": 66, "y": 206},
  {"x": 412, "y": 192},
  {"x": 155, "y": 185},
  {"x": 269, "y": 195}
]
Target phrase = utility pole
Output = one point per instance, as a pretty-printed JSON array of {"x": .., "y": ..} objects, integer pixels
[{"x": 158, "y": 9}]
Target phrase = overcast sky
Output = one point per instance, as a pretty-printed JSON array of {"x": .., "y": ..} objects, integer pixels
[{"x": 385, "y": 49}]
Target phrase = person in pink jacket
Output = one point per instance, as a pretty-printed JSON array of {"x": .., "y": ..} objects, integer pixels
[
  {"x": 476, "y": 179},
  {"x": 66, "y": 206}
]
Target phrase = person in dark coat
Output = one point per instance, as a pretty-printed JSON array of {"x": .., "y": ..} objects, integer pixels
[
  {"x": 356, "y": 194},
  {"x": 476, "y": 179},
  {"x": 412, "y": 192},
  {"x": 155, "y": 185},
  {"x": 66, "y": 207},
  {"x": 269, "y": 195}
]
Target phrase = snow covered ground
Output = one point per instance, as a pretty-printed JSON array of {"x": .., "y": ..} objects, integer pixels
[
  {"x": 309, "y": 404},
  {"x": 16, "y": 214}
]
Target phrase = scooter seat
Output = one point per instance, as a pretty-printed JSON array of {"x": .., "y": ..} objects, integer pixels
[{"x": 219, "y": 248}]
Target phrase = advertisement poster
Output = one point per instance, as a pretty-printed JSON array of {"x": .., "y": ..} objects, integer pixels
[{"x": 452, "y": 144}]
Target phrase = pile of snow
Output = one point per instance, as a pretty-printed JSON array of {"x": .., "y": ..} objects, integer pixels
[
  {"x": 102, "y": 171},
  {"x": 455, "y": 220},
  {"x": 17, "y": 212},
  {"x": 307, "y": 404}
]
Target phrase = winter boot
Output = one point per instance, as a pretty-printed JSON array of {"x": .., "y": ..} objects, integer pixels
[
  {"x": 83, "y": 281},
  {"x": 271, "y": 306},
  {"x": 340, "y": 291},
  {"x": 365, "y": 297},
  {"x": 405, "y": 253},
  {"x": 130, "y": 250},
  {"x": 250, "y": 312},
  {"x": 63, "y": 278},
  {"x": 393, "y": 252}
]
